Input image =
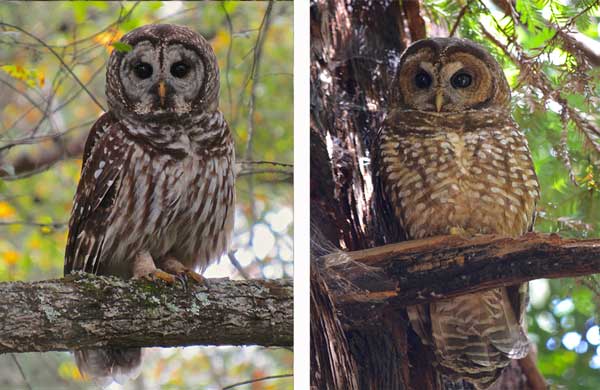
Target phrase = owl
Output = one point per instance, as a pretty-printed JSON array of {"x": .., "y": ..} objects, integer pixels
[
  {"x": 156, "y": 195},
  {"x": 451, "y": 160}
]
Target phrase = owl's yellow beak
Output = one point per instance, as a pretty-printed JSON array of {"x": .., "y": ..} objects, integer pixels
[
  {"x": 162, "y": 92},
  {"x": 439, "y": 100}
]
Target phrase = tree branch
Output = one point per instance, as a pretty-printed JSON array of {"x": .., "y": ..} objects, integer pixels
[
  {"x": 441, "y": 267},
  {"x": 86, "y": 311},
  {"x": 416, "y": 24}
]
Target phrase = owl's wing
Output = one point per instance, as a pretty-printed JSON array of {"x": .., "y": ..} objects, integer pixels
[
  {"x": 389, "y": 226},
  {"x": 104, "y": 157},
  {"x": 98, "y": 130}
]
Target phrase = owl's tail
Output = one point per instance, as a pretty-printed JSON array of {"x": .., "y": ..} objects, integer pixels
[
  {"x": 474, "y": 336},
  {"x": 103, "y": 366}
]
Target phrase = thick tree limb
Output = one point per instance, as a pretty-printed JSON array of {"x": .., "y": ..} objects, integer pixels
[
  {"x": 416, "y": 24},
  {"x": 82, "y": 311},
  {"x": 436, "y": 268}
]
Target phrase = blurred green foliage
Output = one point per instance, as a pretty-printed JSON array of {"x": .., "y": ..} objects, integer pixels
[
  {"x": 42, "y": 108},
  {"x": 556, "y": 83}
]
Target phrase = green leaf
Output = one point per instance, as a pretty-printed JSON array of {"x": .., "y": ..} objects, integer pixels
[
  {"x": 583, "y": 300},
  {"x": 122, "y": 47}
]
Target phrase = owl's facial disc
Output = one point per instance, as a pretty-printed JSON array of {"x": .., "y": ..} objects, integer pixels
[
  {"x": 465, "y": 83},
  {"x": 434, "y": 79},
  {"x": 161, "y": 80},
  {"x": 450, "y": 87}
]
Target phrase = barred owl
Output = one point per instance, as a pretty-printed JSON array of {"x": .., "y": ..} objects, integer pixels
[
  {"x": 156, "y": 195},
  {"x": 451, "y": 160}
]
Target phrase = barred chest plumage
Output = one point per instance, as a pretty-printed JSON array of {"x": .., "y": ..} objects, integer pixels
[
  {"x": 178, "y": 193},
  {"x": 458, "y": 173}
]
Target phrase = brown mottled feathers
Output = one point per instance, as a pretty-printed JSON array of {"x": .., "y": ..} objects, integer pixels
[
  {"x": 102, "y": 168},
  {"x": 450, "y": 160},
  {"x": 157, "y": 183}
]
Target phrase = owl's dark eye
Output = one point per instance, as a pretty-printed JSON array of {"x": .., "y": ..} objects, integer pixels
[
  {"x": 143, "y": 70},
  {"x": 461, "y": 80},
  {"x": 422, "y": 80},
  {"x": 180, "y": 69}
]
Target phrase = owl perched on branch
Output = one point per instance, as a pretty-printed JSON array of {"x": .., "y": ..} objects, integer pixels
[
  {"x": 451, "y": 160},
  {"x": 156, "y": 195}
]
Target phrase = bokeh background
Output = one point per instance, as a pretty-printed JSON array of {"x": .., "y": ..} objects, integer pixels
[{"x": 45, "y": 114}]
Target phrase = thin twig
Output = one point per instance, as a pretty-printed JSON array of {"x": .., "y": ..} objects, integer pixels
[
  {"x": 21, "y": 370},
  {"x": 228, "y": 59},
  {"x": 60, "y": 59},
  {"x": 462, "y": 13},
  {"x": 56, "y": 225},
  {"x": 256, "y": 162},
  {"x": 234, "y": 261},
  {"x": 254, "y": 73},
  {"x": 260, "y": 39},
  {"x": 34, "y": 140},
  {"x": 257, "y": 380}
]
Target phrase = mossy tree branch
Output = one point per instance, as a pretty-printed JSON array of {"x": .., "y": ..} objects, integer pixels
[{"x": 86, "y": 311}]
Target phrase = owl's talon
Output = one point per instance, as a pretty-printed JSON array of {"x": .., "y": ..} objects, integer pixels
[
  {"x": 182, "y": 279},
  {"x": 195, "y": 276},
  {"x": 160, "y": 274},
  {"x": 188, "y": 275},
  {"x": 183, "y": 273}
]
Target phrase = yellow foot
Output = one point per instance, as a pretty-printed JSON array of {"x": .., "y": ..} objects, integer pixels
[
  {"x": 183, "y": 273},
  {"x": 195, "y": 275},
  {"x": 160, "y": 274}
]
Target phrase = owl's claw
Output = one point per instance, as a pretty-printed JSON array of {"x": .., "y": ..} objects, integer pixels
[
  {"x": 196, "y": 276},
  {"x": 181, "y": 272},
  {"x": 185, "y": 276},
  {"x": 160, "y": 274}
]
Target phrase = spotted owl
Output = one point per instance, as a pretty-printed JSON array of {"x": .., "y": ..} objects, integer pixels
[
  {"x": 156, "y": 195},
  {"x": 452, "y": 160}
]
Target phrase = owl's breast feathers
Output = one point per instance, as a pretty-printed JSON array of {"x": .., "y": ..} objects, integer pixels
[
  {"x": 473, "y": 169},
  {"x": 160, "y": 188}
]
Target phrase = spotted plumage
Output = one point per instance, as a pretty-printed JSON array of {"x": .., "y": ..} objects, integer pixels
[
  {"x": 157, "y": 183},
  {"x": 451, "y": 160}
]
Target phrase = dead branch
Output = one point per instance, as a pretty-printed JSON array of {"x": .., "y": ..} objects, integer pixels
[
  {"x": 86, "y": 311},
  {"x": 441, "y": 267}
]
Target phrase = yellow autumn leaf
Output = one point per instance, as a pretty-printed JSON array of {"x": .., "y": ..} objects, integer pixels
[
  {"x": 106, "y": 38},
  {"x": 6, "y": 210},
  {"x": 31, "y": 77},
  {"x": 41, "y": 79},
  {"x": 68, "y": 370},
  {"x": 10, "y": 257},
  {"x": 221, "y": 40},
  {"x": 35, "y": 243}
]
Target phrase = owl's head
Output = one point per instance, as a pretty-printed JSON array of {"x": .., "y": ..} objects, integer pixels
[
  {"x": 170, "y": 71},
  {"x": 451, "y": 75}
]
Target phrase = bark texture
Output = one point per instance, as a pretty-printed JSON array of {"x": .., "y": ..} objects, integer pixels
[
  {"x": 421, "y": 271},
  {"x": 332, "y": 362},
  {"x": 85, "y": 311}
]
